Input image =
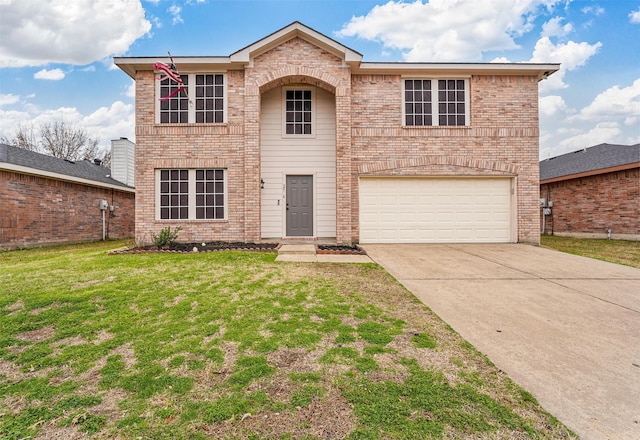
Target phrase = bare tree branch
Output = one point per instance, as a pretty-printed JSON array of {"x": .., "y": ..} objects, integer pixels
[
  {"x": 58, "y": 139},
  {"x": 25, "y": 137}
]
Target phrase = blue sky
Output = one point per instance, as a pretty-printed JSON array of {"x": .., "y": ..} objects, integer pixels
[{"x": 56, "y": 57}]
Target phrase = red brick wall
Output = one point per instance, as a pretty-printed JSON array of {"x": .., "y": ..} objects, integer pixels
[
  {"x": 36, "y": 211},
  {"x": 588, "y": 205},
  {"x": 502, "y": 140}
]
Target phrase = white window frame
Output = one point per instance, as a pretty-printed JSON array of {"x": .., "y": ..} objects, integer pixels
[
  {"x": 191, "y": 196},
  {"x": 191, "y": 93},
  {"x": 435, "y": 115},
  {"x": 313, "y": 112}
]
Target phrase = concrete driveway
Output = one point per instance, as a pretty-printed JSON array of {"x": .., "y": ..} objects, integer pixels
[{"x": 564, "y": 327}]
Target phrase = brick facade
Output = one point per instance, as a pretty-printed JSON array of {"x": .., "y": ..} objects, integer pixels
[
  {"x": 39, "y": 211},
  {"x": 500, "y": 140},
  {"x": 586, "y": 206}
]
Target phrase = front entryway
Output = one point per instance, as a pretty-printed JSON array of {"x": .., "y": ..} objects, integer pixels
[{"x": 299, "y": 199}]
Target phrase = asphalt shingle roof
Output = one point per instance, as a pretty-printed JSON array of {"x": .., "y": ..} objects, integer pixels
[
  {"x": 84, "y": 169},
  {"x": 589, "y": 159}
]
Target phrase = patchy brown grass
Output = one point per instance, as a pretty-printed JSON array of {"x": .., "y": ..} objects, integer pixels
[{"x": 235, "y": 346}]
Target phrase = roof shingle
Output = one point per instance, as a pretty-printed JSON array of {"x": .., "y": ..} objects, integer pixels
[
  {"x": 84, "y": 169},
  {"x": 589, "y": 159}
]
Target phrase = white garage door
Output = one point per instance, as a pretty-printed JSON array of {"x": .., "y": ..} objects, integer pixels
[{"x": 435, "y": 210}]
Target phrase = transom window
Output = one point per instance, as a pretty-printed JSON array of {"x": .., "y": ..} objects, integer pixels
[
  {"x": 429, "y": 102},
  {"x": 192, "y": 194},
  {"x": 202, "y": 102},
  {"x": 298, "y": 112}
]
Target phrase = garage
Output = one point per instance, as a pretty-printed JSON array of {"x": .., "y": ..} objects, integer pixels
[{"x": 435, "y": 210}]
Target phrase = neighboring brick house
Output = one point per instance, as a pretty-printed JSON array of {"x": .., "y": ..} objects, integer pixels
[
  {"x": 594, "y": 192},
  {"x": 45, "y": 200},
  {"x": 296, "y": 137}
]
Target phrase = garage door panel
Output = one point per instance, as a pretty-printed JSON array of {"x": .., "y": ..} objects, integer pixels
[{"x": 435, "y": 210}]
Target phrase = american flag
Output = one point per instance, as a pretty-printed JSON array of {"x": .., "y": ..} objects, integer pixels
[{"x": 170, "y": 71}]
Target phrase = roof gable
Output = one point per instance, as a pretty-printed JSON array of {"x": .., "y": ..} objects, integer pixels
[
  {"x": 29, "y": 162},
  {"x": 296, "y": 29},
  {"x": 244, "y": 57},
  {"x": 590, "y": 160}
]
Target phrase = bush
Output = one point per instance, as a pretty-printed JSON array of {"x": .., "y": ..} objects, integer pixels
[{"x": 166, "y": 237}]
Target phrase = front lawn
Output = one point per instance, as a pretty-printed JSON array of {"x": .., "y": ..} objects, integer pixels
[
  {"x": 613, "y": 251},
  {"x": 232, "y": 345}
]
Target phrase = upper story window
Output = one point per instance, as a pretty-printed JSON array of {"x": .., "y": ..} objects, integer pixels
[
  {"x": 202, "y": 102},
  {"x": 298, "y": 112},
  {"x": 432, "y": 102}
]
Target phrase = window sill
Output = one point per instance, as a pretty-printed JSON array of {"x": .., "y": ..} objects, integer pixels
[{"x": 187, "y": 221}]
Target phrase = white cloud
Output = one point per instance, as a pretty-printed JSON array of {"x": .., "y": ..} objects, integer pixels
[
  {"x": 79, "y": 32},
  {"x": 444, "y": 30},
  {"x": 105, "y": 123},
  {"x": 613, "y": 116},
  {"x": 112, "y": 122},
  {"x": 571, "y": 55},
  {"x": 604, "y": 132},
  {"x": 53, "y": 74},
  {"x": 634, "y": 16},
  {"x": 8, "y": 99},
  {"x": 89, "y": 69},
  {"x": 555, "y": 28},
  {"x": 615, "y": 103},
  {"x": 175, "y": 12},
  {"x": 130, "y": 91},
  {"x": 595, "y": 10},
  {"x": 551, "y": 105}
]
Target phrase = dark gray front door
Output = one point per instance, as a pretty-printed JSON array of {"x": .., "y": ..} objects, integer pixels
[{"x": 299, "y": 206}]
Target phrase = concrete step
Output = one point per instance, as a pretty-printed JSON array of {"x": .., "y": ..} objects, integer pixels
[{"x": 297, "y": 249}]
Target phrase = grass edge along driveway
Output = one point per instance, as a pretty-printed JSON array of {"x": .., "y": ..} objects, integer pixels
[{"x": 232, "y": 345}]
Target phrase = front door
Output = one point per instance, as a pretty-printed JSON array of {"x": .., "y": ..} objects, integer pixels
[{"x": 299, "y": 206}]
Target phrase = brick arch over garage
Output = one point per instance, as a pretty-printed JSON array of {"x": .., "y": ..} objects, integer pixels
[{"x": 388, "y": 166}]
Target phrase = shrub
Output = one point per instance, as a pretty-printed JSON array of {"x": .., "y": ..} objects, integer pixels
[{"x": 166, "y": 237}]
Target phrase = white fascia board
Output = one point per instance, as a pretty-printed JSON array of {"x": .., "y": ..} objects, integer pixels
[
  {"x": 130, "y": 65},
  {"x": 296, "y": 29},
  {"x": 56, "y": 176},
  {"x": 542, "y": 71}
]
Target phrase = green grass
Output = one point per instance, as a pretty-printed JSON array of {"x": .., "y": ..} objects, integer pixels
[
  {"x": 614, "y": 251},
  {"x": 233, "y": 345}
]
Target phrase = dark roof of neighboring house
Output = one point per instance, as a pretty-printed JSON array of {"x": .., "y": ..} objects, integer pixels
[
  {"x": 82, "y": 169},
  {"x": 599, "y": 157}
]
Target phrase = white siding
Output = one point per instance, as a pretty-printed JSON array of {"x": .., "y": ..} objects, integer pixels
[
  {"x": 123, "y": 161},
  {"x": 435, "y": 210},
  {"x": 281, "y": 156}
]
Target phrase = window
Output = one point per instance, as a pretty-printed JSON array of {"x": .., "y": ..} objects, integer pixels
[
  {"x": 209, "y": 98},
  {"x": 430, "y": 102},
  {"x": 298, "y": 112},
  {"x": 417, "y": 102},
  {"x": 202, "y": 102},
  {"x": 174, "y": 194},
  {"x": 210, "y": 194},
  {"x": 176, "y": 109},
  {"x": 192, "y": 194}
]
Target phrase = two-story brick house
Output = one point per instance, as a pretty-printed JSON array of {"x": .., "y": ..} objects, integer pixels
[{"x": 295, "y": 136}]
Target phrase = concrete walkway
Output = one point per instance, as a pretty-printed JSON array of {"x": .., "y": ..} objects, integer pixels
[
  {"x": 566, "y": 328},
  {"x": 306, "y": 253}
]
